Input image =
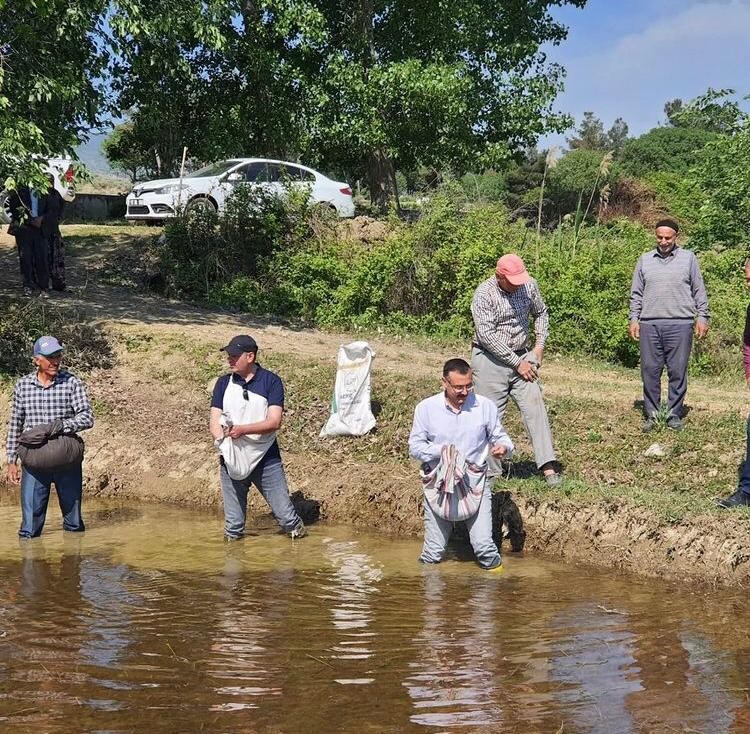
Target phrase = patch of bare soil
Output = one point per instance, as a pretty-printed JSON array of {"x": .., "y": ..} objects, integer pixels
[{"x": 150, "y": 442}]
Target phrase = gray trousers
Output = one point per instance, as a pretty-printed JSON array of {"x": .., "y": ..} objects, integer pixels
[
  {"x": 665, "y": 342},
  {"x": 498, "y": 381}
]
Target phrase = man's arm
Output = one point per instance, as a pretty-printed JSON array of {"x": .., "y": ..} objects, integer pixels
[
  {"x": 421, "y": 446},
  {"x": 83, "y": 414},
  {"x": 540, "y": 315},
  {"x": 15, "y": 424},
  {"x": 700, "y": 297},
  {"x": 496, "y": 435},
  {"x": 484, "y": 312},
  {"x": 636, "y": 300}
]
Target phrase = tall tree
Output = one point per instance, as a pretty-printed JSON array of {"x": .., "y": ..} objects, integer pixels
[
  {"x": 589, "y": 135},
  {"x": 617, "y": 136},
  {"x": 363, "y": 86}
]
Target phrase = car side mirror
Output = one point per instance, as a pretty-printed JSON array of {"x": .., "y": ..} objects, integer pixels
[{"x": 234, "y": 177}]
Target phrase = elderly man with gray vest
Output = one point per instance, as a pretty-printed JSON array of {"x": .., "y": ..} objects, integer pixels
[{"x": 667, "y": 297}]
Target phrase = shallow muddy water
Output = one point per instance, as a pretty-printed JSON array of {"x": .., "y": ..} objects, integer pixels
[{"x": 150, "y": 623}]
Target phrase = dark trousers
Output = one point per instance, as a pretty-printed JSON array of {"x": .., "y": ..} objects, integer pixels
[
  {"x": 665, "y": 342},
  {"x": 35, "y": 489},
  {"x": 33, "y": 256},
  {"x": 745, "y": 475}
]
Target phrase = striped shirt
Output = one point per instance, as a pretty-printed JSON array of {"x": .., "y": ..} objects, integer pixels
[
  {"x": 501, "y": 320},
  {"x": 34, "y": 405},
  {"x": 668, "y": 287}
]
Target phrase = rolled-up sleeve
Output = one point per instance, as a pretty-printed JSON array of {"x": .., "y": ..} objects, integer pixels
[
  {"x": 15, "y": 424},
  {"x": 541, "y": 316},
  {"x": 496, "y": 434},
  {"x": 421, "y": 446},
  {"x": 83, "y": 414}
]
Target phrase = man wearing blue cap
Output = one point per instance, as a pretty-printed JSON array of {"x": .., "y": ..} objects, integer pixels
[
  {"x": 247, "y": 407},
  {"x": 48, "y": 395}
]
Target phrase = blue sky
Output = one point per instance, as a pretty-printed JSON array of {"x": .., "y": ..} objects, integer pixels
[{"x": 625, "y": 58}]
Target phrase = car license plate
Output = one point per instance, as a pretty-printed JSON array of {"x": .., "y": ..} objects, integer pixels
[{"x": 135, "y": 202}]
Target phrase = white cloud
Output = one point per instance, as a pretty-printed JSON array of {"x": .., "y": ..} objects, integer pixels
[{"x": 675, "y": 56}]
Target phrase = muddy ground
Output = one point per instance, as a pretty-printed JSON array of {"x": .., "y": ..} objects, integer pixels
[{"x": 150, "y": 441}]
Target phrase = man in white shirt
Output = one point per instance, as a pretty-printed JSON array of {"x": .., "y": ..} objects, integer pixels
[{"x": 458, "y": 418}]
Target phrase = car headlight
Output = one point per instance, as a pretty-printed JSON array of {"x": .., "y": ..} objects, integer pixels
[{"x": 170, "y": 189}]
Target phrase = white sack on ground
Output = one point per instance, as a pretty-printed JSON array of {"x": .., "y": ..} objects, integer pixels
[{"x": 350, "y": 406}]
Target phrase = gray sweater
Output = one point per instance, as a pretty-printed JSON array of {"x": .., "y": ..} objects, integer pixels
[{"x": 668, "y": 287}]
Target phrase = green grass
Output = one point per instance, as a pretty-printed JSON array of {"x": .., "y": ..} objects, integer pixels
[{"x": 600, "y": 444}]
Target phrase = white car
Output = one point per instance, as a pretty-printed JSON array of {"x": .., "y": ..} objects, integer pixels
[
  {"x": 64, "y": 175},
  {"x": 210, "y": 187}
]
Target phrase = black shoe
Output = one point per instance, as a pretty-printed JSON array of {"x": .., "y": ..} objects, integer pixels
[
  {"x": 648, "y": 425},
  {"x": 738, "y": 499},
  {"x": 675, "y": 423}
]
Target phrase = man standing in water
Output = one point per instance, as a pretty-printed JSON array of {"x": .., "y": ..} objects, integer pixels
[
  {"x": 666, "y": 295},
  {"x": 47, "y": 395},
  {"x": 247, "y": 408},
  {"x": 741, "y": 496},
  {"x": 452, "y": 435}
]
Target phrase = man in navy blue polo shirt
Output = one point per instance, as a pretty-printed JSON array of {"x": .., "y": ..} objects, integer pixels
[{"x": 247, "y": 408}]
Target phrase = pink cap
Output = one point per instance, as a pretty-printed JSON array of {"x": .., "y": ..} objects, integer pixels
[{"x": 511, "y": 266}]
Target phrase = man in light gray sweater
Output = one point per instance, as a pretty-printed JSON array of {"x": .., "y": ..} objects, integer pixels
[{"x": 666, "y": 296}]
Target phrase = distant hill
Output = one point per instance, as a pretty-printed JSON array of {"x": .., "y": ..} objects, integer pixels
[{"x": 91, "y": 155}]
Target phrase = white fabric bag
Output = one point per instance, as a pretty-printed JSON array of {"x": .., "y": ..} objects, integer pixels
[
  {"x": 241, "y": 455},
  {"x": 351, "y": 414}
]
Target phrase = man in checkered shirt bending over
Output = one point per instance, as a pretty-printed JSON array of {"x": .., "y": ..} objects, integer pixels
[{"x": 43, "y": 396}]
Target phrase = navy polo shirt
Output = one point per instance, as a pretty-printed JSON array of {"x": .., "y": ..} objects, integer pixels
[{"x": 265, "y": 383}]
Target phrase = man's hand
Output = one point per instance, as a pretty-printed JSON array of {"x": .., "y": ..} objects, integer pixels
[
  {"x": 701, "y": 329},
  {"x": 235, "y": 432},
  {"x": 499, "y": 450},
  {"x": 527, "y": 371},
  {"x": 634, "y": 329},
  {"x": 14, "y": 474},
  {"x": 539, "y": 353}
]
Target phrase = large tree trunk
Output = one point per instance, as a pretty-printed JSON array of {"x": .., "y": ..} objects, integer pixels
[{"x": 380, "y": 179}]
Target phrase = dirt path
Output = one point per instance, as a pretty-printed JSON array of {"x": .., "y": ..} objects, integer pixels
[{"x": 150, "y": 438}]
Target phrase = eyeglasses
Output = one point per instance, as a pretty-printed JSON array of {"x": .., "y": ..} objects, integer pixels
[
  {"x": 244, "y": 394},
  {"x": 462, "y": 388}
]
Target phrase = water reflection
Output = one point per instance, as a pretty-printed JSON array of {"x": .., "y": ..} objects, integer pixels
[{"x": 148, "y": 624}]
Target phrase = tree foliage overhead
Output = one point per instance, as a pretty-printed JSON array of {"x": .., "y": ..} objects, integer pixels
[
  {"x": 362, "y": 87},
  {"x": 53, "y": 55}
]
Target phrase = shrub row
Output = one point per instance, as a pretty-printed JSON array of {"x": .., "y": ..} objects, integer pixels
[{"x": 266, "y": 258}]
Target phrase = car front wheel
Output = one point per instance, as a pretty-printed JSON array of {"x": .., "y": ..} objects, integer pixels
[{"x": 200, "y": 204}]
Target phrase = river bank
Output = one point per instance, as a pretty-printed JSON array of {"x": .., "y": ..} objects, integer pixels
[{"x": 617, "y": 508}]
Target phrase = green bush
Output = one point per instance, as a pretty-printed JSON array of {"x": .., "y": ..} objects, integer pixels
[
  {"x": 672, "y": 149},
  {"x": 422, "y": 277},
  {"x": 21, "y": 324}
]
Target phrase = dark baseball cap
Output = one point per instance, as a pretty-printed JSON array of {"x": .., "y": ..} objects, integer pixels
[{"x": 240, "y": 344}]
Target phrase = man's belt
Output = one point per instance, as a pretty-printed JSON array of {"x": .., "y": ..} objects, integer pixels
[{"x": 517, "y": 352}]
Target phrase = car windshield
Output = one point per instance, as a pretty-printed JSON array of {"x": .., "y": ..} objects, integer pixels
[{"x": 215, "y": 169}]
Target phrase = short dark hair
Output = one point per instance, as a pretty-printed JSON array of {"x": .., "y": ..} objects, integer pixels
[
  {"x": 456, "y": 365},
  {"x": 667, "y": 223}
]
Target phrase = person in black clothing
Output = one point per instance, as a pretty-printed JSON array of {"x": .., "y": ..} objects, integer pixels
[
  {"x": 53, "y": 206},
  {"x": 27, "y": 209}
]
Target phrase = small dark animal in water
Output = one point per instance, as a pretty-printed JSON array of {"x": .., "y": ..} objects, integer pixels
[
  {"x": 308, "y": 510},
  {"x": 507, "y": 522}
]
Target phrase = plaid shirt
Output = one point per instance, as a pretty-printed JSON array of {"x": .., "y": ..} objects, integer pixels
[
  {"x": 501, "y": 320},
  {"x": 34, "y": 404}
]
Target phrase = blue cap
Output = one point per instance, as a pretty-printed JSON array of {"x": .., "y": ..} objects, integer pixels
[{"x": 46, "y": 345}]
